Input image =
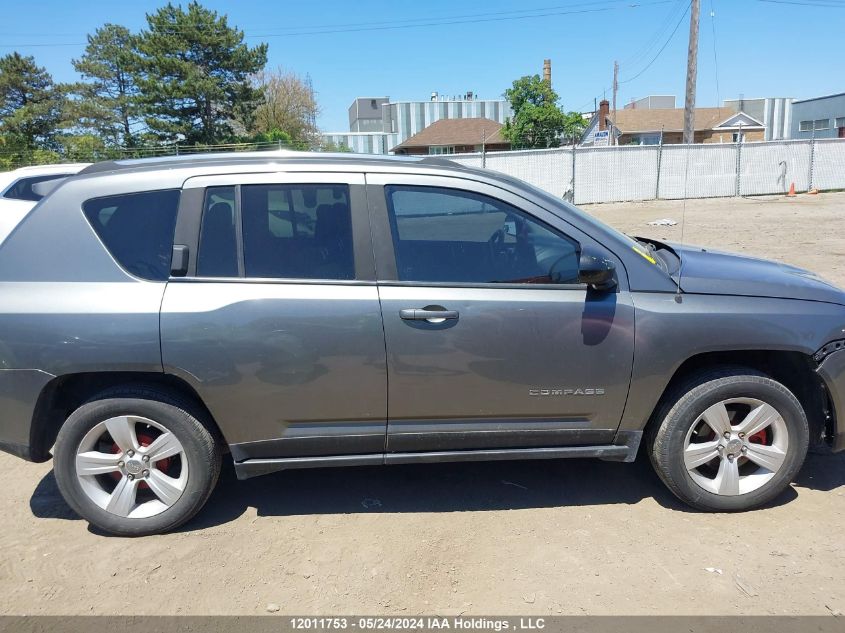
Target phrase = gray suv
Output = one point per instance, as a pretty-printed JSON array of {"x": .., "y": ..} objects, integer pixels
[{"x": 302, "y": 310}]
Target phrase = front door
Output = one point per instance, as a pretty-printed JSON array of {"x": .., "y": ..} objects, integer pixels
[
  {"x": 277, "y": 323},
  {"x": 491, "y": 341}
]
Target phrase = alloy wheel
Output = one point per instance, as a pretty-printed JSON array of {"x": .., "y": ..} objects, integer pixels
[
  {"x": 131, "y": 466},
  {"x": 736, "y": 446}
]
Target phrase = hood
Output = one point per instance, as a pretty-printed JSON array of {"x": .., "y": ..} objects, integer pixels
[{"x": 713, "y": 272}]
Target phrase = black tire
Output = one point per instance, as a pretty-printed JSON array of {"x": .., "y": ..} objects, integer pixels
[
  {"x": 672, "y": 422},
  {"x": 201, "y": 449}
]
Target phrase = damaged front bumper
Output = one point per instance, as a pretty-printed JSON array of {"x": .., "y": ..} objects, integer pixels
[{"x": 831, "y": 369}]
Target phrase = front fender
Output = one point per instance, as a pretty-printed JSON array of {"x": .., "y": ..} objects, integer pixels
[{"x": 670, "y": 329}]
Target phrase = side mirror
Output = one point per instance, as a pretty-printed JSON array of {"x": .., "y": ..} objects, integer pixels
[{"x": 596, "y": 272}]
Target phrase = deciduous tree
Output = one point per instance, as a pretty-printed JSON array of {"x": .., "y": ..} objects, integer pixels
[
  {"x": 288, "y": 105},
  {"x": 537, "y": 120}
]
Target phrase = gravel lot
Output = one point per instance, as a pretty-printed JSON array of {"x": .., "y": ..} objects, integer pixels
[{"x": 568, "y": 537}]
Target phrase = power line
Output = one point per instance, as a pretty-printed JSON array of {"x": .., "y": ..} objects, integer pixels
[
  {"x": 828, "y": 4},
  {"x": 662, "y": 48},
  {"x": 446, "y": 21},
  {"x": 406, "y": 21},
  {"x": 656, "y": 37},
  {"x": 715, "y": 57},
  {"x": 381, "y": 22},
  {"x": 472, "y": 21}
]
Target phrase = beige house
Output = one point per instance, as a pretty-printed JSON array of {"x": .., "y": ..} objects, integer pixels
[{"x": 666, "y": 125}]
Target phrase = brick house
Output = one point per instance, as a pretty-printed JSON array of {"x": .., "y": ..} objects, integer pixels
[
  {"x": 455, "y": 136},
  {"x": 646, "y": 127}
]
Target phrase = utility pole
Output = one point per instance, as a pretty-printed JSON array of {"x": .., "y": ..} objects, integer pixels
[
  {"x": 692, "y": 71},
  {"x": 615, "y": 90}
]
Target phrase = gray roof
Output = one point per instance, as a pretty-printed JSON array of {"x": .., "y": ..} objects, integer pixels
[{"x": 839, "y": 94}]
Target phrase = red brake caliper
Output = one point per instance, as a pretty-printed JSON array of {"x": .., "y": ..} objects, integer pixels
[
  {"x": 143, "y": 440},
  {"x": 760, "y": 437}
]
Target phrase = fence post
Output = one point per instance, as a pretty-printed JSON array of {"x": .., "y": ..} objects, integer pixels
[
  {"x": 738, "y": 164},
  {"x": 573, "y": 173},
  {"x": 659, "y": 159},
  {"x": 812, "y": 159}
]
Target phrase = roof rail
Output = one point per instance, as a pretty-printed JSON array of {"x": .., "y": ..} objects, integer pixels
[
  {"x": 437, "y": 160},
  {"x": 223, "y": 157}
]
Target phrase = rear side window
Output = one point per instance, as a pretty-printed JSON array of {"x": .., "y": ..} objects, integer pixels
[
  {"x": 218, "y": 251},
  {"x": 22, "y": 189},
  {"x": 137, "y": 229},
  {"x": 297, "y": 231}
]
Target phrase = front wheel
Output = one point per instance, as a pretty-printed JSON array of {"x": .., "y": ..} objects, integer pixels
[
  {"x": 135, "y": 463},
  {"x": 730, "y": 441}
]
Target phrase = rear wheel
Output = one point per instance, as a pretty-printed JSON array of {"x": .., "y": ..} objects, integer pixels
[
  {"x": 136, "y": 463},
  {"x": 730, "y": 441}
]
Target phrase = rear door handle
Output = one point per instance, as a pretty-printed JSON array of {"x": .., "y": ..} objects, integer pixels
[{"x": 421, "y": 314}]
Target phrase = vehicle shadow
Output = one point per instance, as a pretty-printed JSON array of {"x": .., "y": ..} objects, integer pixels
[
  {"x": 457, "y": 487},
  {"x": 822, "y": 471}
]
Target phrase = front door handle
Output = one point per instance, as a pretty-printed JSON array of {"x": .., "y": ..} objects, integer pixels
[{"x": 425, "y": 314}]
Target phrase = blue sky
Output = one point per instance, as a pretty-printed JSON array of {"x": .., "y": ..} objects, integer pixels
[{"x": 764, "y": 48}]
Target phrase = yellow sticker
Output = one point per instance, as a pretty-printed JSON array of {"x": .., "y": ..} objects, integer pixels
[{"x": 640, "y": 251}]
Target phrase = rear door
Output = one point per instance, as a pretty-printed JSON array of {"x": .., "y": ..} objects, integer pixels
[
  {"x": 276, "y": 321},
  {"x": 491, "y": 340}
]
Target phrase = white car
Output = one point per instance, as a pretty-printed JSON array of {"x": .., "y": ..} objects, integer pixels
[{"x": 17, "y": 196}]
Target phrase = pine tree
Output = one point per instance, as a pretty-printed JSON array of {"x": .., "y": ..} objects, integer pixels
[
  {"x": 30, "y": 103},
  {"x": 194, "y": 74}
]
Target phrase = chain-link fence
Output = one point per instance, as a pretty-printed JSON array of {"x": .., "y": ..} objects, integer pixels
[
  {"x": 648, "y": 172},
  {"x": 596, "y": 174}
]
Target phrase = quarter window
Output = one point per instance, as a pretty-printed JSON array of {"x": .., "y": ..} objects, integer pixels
[
  {"x": 137, "y": 229},
  {"x": 448, "y": 235},
  {"x": 297, "y": 231},
  {"x": 22, "y": 189}
]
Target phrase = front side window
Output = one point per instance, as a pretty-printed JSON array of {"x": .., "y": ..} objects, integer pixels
[
  {"x": 137, "y": 229},
  {"x": 22, "y": 189},
  {"x": 297, "y": 231},
  {"x": 449, "y": 235}
]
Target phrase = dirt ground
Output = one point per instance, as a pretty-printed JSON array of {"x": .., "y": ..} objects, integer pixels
[
  {"x": 556, "y": 537},
  {"x": 805, "y": 231}
]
